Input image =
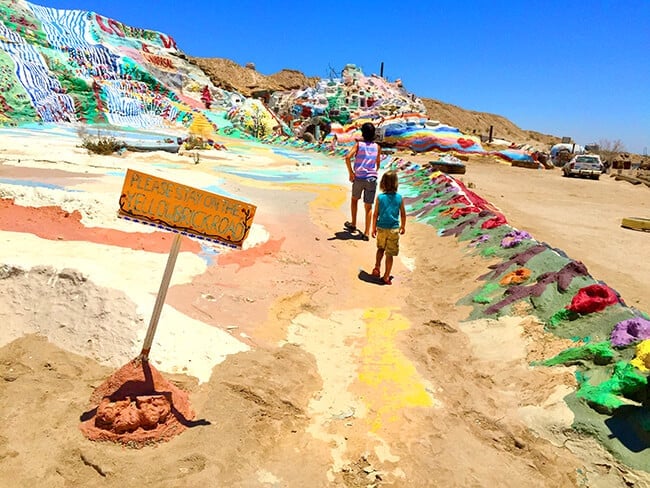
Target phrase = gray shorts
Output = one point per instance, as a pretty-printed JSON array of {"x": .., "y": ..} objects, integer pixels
[{"x": 368, "y": 187}]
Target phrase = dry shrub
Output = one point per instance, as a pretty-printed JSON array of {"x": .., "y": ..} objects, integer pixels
[
  {"x": 194, "y": 142},
  {"x": 100, "y": 144}
]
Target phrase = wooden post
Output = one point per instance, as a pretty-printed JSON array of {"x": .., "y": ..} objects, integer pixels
[
  {"x": 160, "y": 299},
  {"x": 381, "y": 70},
  {"x": 491, "y": 133}
]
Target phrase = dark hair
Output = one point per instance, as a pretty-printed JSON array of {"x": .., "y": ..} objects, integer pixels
[
  {"x": 388, "y": 183},
  {"x": 368, "y": 132}
]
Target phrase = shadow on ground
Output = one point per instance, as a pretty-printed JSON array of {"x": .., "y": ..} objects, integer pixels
[
  {"x": 368, "y": 278},
  {"x": 346, "y": 236},
  {"x": 630, "y": 425}
]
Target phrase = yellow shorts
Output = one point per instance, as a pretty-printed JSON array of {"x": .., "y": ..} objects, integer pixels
[{"x": 388, "y": 240}]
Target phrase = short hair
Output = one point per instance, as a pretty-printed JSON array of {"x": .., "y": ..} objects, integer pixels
[
  {"x": 389, "y": 183},
  {"x": 368, "y": 132}
]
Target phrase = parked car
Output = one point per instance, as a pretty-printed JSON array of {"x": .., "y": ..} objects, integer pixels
[{"x": 584, "y": 165}]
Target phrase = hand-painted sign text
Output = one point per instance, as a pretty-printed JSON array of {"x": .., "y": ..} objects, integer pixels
[{"x": 185, "y": 209}]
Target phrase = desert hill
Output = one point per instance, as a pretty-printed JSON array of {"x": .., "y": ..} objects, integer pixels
[
  {"x": 98, "y": 70},
  {"x": 229, "y": 75},
  {"x": 473, "y": 122}
]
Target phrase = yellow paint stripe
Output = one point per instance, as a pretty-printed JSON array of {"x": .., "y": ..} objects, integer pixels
[
  {"x": 394, "y": 380},
  {"x": 327, "y": 196}
]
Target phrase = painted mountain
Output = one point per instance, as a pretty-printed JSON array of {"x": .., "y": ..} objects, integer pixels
[{"x": 78, "y": 66}]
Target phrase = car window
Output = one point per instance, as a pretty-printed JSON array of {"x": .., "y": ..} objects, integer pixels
[{"x": 587, "y": 160}]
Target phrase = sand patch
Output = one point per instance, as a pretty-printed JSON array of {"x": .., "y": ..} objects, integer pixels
[
  {"x": 102, "y": 323},
  {"x": 496, "y": 340},
  {"x": 365, "y": 377},
  {"x": 333, "y": 342},
  {"x": 72, "y": 312},
  {"x": 552, "y": 418}
]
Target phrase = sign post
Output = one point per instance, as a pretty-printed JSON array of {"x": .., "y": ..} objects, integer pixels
[
  {"x": 160, "y": 298},
  {"x": 186, "y": 211}
]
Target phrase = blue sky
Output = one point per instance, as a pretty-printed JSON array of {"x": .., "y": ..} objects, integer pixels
[{"x": 567, "y": 68}]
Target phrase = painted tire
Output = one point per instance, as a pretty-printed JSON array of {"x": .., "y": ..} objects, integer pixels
[
  {"x": 636, "y": 223},
  {"x": 448, "y": 168},
  {"x": 525, "y": 164}
]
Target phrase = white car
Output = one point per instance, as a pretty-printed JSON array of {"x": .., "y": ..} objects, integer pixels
[{"x": 584, "y": 165}]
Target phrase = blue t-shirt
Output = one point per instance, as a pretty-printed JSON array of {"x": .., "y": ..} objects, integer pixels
[{"x": 389, "y": 207}]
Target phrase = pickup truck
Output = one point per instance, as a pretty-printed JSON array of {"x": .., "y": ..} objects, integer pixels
[{"x": 584, "y": 165}]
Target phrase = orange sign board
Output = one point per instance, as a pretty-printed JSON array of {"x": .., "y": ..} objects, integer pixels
[{"x": 184, "y": 209}]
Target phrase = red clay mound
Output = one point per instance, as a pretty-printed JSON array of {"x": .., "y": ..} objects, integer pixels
[{"x": 136, "y": 406}]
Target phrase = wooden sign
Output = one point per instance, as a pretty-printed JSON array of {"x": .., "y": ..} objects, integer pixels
[{"x": 184, "y": 209}]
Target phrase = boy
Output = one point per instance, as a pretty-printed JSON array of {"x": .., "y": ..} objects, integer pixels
[{"x": 363, "y": 176}]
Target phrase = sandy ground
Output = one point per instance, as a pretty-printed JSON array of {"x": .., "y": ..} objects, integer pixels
[{"x": 315, "y": 377}]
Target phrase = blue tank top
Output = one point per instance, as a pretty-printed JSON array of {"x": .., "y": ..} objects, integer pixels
[
  {"x": 365, "y": 160},
  {"x": 389, "y": 207}
]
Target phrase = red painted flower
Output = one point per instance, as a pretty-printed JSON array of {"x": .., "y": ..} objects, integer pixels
[{"x": 593, "y": 298}]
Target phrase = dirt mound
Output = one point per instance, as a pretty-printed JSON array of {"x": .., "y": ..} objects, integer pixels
[
  {"x": 229, "y": 75},
  {"x": 70, "y": 310},
  {"x": 290, "y": 79},
  {"x": 136, "y": 406}
]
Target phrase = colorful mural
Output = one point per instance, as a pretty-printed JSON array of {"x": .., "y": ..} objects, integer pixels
[
  {"x": 69, "y": 66},
  {"x": 334, "y": 110},
  {"x": 78, "y": 66}
]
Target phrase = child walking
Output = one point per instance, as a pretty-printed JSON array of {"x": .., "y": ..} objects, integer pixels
[
  {"x": 366, "y": 156},
  {"x": 388, "y": 222}
]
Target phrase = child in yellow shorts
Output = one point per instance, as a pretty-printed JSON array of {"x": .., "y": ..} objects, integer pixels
[{"x": 388, "y": 222}]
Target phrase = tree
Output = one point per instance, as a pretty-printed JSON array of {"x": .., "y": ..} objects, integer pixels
[
  {"x": 255, "y": 123},
  {"x": 609, "y": 150}
]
